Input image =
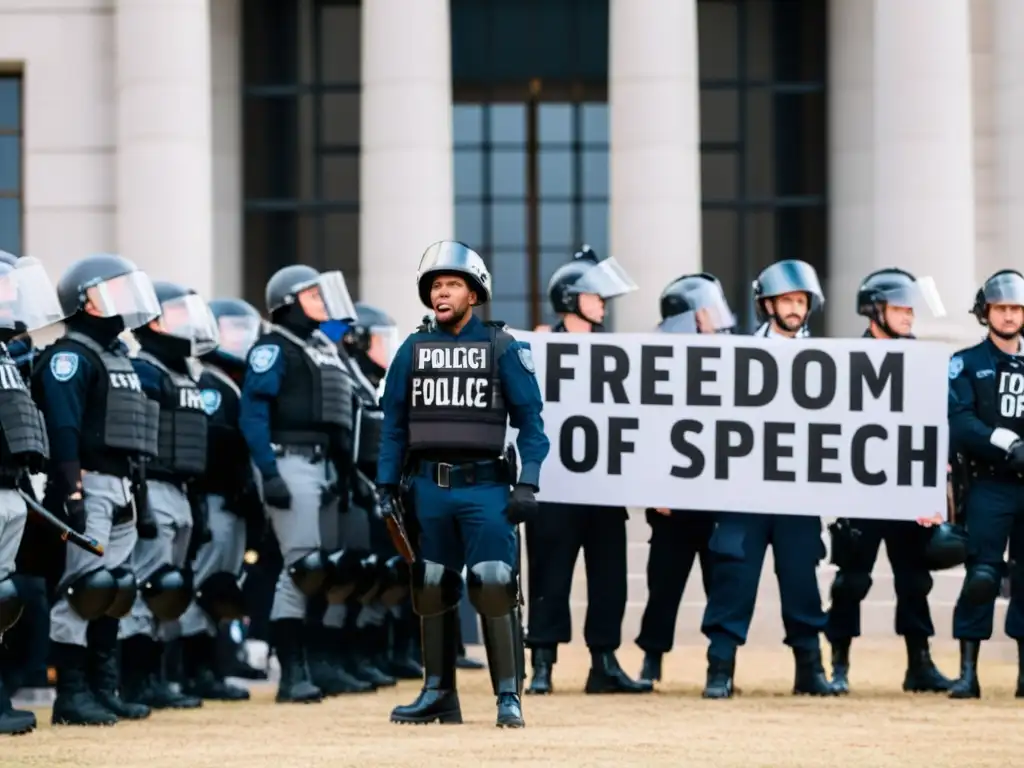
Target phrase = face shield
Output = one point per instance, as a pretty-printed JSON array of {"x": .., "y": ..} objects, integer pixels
[
  {"x": 331, "y": 289},
  {"x": 606, "y": 279},
  {"x": 189, "y": 318},
  {"x": 448, "y": 253},
  {"x": 130, "y": 297},
  {"x": 710, "y": 313},
  {"x": 1007, "y": 288},
  {"x": 237, "y": 334},
  {"x": 922, "y": 296},
  {"x": 791, "y": 276},
  {"x": 383, "y": 344},
  {"x": 38, "y": 305}
]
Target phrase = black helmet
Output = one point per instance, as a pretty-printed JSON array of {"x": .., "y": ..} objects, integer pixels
[
  {"x": 238, "y": 326},
  {"x": 897, "y": 288},
  {"x": 113, "y": 285},
  {"x": 685, "y": 297},
  {"x": 450, "y": 257},
  {"x": 374, "y": 334},
  {"x": 946, "y": 547},
  {"x": 586, "y": 274},
  {"x": 1004, "y": 287},
  {"x": 185, "y": 317},
  {"x": 788, "y": 276},
  {"x": 285, "y": 285}
]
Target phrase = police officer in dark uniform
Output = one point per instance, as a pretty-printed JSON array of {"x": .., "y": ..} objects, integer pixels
[
  {"x": 297, "y": 416},
  {"x": 450, "y": 393},
  {"x": 689, "y": 304},
  {"x": 578, "y": 292},
  {"x": 100, "y": 427},
  {"x": 890, "y": 299},
  {"x": 233, "y": 505},
  {"x": 986, "y": 422},
  {"x": 786, "y": 293}
]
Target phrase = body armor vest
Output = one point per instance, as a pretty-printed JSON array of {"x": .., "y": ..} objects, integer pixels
[
  {"x": 181, "y": 443},
  {"x": 21, "y": 423},
  {"x": 370, "y": 422},
  {"x": 455, "y": 397},
  {"x": 315, "y": 400},
  {"x": 1009, "y": 405},
  {"x": 226, "y": 450}
]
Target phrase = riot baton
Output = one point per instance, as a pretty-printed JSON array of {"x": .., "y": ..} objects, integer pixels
[{"x": 67, "y": 533}]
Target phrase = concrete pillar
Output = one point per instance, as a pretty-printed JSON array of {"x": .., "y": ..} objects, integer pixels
[
  {"x": 983, "y": 100},
  {"x": 406, "y": 176},
  {"x": 1009, "y": 154},
  {"x": 164, "y": 149},
  {"x": 653, "y": 93},
  {"x": 924, "y": 165}
]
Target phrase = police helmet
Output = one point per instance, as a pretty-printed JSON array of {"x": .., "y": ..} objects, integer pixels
[
  {"x": 112, "y": 285},
  {"x": 238, "y": 326},
  {"x": 788, "y": 276},
  {"x": 946, "y": 547},
  {"x": 185, "y": 315},
  {"x": 897, "y": 288},
  {"x": 695, "y": 304},
  {"x": 450, "y": 257},
  {"x": 28, "y": 299},
  {"x": 1004, "y": 287},
  {"x": 378, "y": 334},
  {"x": 587, "y": 273},
  {"x": 285, "y": 285}
]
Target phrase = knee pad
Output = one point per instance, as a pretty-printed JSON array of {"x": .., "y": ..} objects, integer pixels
[
  {"x": 11, "y": 605},
  {"x": 435, "y": 589},
  {"x": 349, "y": 572},
  {"x": 220, "y": 597},
  {"x": 92, "y": 594},
  {"x": 946, "y": 547},
  {"x": 492, "y": 588},
  {"x": 368, "y": 582},
  {"x": 982, "y": 584},
  {"x": 394, "y": 581},
  {"x": 124, "y": 595},
  {"x": 309, "y": 574},
  {"x": 168, "y": 592},
  {"x": 851, "y": 586}
]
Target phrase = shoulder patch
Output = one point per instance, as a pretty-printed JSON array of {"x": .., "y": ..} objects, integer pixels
[
  {"x": 263, "y": 357},
  {"x": 211, "y": 401},
  {"x": 64, "y": 366},
  {"x": 526, "y": 359},
  {"x": 956, "y": 365}
]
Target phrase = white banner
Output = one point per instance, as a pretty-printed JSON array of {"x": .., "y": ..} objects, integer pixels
[{"x": 829, "y": 427}]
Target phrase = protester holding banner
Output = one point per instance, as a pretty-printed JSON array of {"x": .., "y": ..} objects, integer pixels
[
  {"x": 890, "y": 299},
  {"x": 786, "y": 294},
  {"x": 986, "y": 425},
  {"x": 690, "y": 304}
]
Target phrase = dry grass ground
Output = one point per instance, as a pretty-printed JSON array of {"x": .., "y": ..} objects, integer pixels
[{"x": 877, "y": 727}]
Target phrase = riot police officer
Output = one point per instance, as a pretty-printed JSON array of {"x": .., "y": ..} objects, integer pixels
[
  {"x": 786, "y": 294},
  {"x": 889, "y": 299},
  {"x": 168, "y": 371},
  {"x": 100, "y": 427},
  {"x": 986, "y": 422},
  {"x": 229, "y": 492},
  {"x": 450, "y": 394},
  {"x": 579, "y": 292},
  {"x": 28, "y": 302},
  {"x": 297, "y": 417},
  {"x": 689, "y": 304}
]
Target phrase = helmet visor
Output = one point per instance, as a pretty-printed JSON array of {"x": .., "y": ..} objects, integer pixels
[
  {"x": 922, "y": 296},
  {"x": 710, "y": 313},
  {"x": 190, "y": 318},
  {"x": 129, "y": 296},
  {"x": 1007, "y": 288},
  {"x": 791, "y": 276},
  {"x": 334, "y": 293},
  {"x": 237, "y": 334},
  {"x": 606, "y": 279},
  {"x": 448, "y": 253},
  {"x": 383, "y": 344}
]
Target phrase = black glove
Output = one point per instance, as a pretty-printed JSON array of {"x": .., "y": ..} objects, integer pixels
[
  {"x": 74, "y": 511},
  {"x": 276, "y": 493},
  {"x": 1015, "y": 456},
  {"x": 386, "y": 500},
  {"x": 522, "y": 505}
]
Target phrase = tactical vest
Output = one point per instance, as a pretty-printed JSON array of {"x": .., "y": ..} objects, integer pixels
[
  {"x": 315, "y": 400},
  {"x": 181, "y": 441},
  {"x": 370, "y": 422},
  {"x": 455, "y": 397},
  {"x": 117, "y": 413},
  {"x": 226, "y": 450},
  {"x": 21, "y": 423}
]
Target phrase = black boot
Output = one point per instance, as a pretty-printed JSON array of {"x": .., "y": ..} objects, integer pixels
[
  {"x": 543, "y": 664},
  {"x": 504, "y": 643},
  {"x": 967, "y": 685},
  {"x": 810, "y": 679},
  {"x": 719, "y": 682},
  {"x": 401, "y": 663},
  {"x": 363, "y": 659},
  {"x": 1020, "y": 670},
  {"x": 438, "y": 700},
  {"x": 147, "y": 683},
  {"x": 199, "y": 659},
  {"x": 330, "y": 660},
  {"x": 922, "y": 674},
  {"x": 296, "y": 685},
  {"x": 13, "y": 722},
  {"x": 651, "y": 670},
  {"x": 462, "y": 660},
  {"x": 104, "y": 673},
  {"x": 606, "y": 676},
  {"x": 841, "y": 666},
  {"x": 75, "y": 704}
]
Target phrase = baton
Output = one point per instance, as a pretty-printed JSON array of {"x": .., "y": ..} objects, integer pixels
[{"x": 67, "y": 533}]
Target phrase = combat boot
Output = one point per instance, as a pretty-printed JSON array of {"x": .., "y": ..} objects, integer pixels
[
  {"x": 296, "y": 685},
  {"x": 438, "y": 700},
  {"x": 543, "y": 665},
  {"x": 841, "y": 666},
  {"x": 606, "y": 676},
  {"x": 327, "y": 662},
  {"x": 199, "y": 659},
  {"x": 967, "y": 685},
  {"x": 810, "y": 679},
  {"x": 719, "y": 683},
  {"x": 651, "y": 670},
  {"x": 103, "y": 671},
  {"x": 922, "y": 674},
  {"x": 13, "y": 722},
  {"x": 75, "y": 704},
  {"x": 362, "y": 659},
  {"x": 504, "y": 643},
  {"x": 148, "y": 684}
]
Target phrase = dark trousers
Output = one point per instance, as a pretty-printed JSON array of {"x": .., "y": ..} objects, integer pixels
[
  {"x": 739, "y": 544},
  {"x": 905, "y": 544},
  {"x": 676, "y": 541},
  {"x": 553, "y": 542}
]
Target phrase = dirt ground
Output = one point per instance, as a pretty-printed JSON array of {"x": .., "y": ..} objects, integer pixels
[{"x": 876, "y": 727}]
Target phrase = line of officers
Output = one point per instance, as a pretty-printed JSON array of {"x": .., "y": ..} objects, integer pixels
[{"x": 170, "y": 448}]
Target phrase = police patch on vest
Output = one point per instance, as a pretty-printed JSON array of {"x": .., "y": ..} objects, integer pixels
[
  {"x": 64, "y": 366},
  {"x": 526, "y": 358},
  {"x": 956, "y": 364},
  {"x": 211, "y": 401},
  {"x": 262, "y": 358}
]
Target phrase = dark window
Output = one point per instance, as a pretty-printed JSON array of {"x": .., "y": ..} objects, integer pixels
[{"x": 11, "y": 184}]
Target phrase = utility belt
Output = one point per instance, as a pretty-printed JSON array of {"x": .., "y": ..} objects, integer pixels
[
  {"x": 122, "y": 466},
  {"x": 310, "y": 445},
  {"x": 977, "y": 470},
  {"x": 465, "y": 474}
]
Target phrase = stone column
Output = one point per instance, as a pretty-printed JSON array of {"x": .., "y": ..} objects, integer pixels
[{"x": 1009, "y": 144}]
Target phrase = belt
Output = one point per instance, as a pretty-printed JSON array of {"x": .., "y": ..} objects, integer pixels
[
  {"x": 992, "y": 472},
  {"x": 446, "y": 475},
  {"x": 311, "y": 452}
]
